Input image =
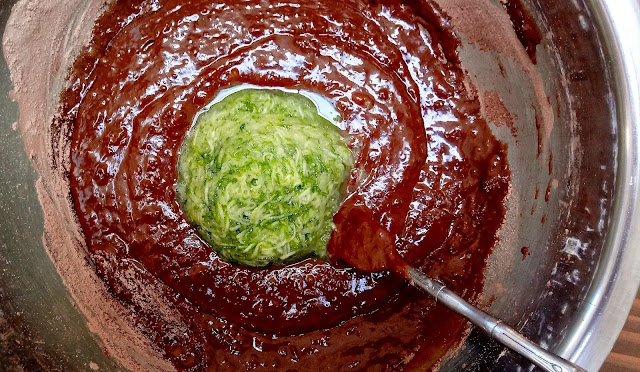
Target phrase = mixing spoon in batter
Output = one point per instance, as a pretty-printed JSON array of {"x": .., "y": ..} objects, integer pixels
[{"x": 369, "y": 247}]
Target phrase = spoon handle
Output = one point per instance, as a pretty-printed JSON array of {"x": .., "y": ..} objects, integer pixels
[{"x": 494, "y": 327}]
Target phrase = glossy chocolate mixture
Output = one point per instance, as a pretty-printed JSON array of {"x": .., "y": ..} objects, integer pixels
[{"x": 428, "y": 171}]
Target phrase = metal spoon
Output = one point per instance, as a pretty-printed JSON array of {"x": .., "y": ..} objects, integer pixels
[
  {"x": 494, "y": 327},
  {"x": 368, "y": 246}
]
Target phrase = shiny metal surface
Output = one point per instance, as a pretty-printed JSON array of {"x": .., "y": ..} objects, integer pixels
[
  {"x": 616, "y": 281},
  {"x": 40, "y": 328},
  {"x": 496, "y": 328},
  {"x": 571, "y": 295}
]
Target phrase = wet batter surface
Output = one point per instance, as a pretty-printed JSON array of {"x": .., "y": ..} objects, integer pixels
[{"x": 427, "y": 168}]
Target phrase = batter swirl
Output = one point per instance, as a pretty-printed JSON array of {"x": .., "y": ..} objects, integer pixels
[{"x": 426, "y": 164}]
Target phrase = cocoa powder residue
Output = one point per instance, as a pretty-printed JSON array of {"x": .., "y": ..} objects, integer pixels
[
  {"x": 39, "y": 43},
  {"x": 487, "y": 25},
  {"x": 494, "y": 110}
]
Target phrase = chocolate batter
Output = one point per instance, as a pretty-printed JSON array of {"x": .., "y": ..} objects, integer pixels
[{"x": 427, "y": 169}]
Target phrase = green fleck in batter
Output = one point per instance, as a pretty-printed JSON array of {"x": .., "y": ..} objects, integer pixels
[{"x": 260, "y": 176}]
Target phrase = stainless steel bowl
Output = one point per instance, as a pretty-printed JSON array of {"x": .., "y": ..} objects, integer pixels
[
  {"x": 572, "y": 294},
  {"x": 598, "y": 322}
]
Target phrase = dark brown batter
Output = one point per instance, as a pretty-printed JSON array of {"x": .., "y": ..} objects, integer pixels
[
  {"x": 525, "y": 27},
  {"x": 428, "y": 171}
]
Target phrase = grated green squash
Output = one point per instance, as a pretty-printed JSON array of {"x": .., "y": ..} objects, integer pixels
[{"x": 260, "y": 176}]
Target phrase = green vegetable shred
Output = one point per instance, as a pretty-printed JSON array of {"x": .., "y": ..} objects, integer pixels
[{"x": 260, "y": 176}]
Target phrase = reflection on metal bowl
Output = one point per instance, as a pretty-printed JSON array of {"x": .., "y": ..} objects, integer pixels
[{"x": 573, "y": 208}]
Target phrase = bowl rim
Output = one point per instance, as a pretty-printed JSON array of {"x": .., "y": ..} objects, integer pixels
[{"x": 604, "y": 310}]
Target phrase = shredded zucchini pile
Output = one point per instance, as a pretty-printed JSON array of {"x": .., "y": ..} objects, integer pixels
[{"x": 260, "y": 176}]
